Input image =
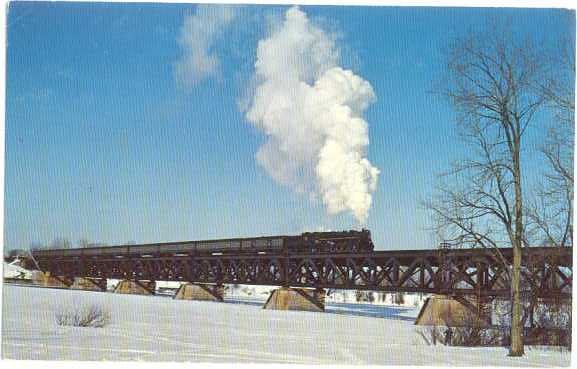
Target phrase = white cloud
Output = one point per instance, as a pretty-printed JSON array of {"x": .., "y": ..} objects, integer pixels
[
  {"x": 198, "y": 35},
  {"x": 311, "y": 111}
]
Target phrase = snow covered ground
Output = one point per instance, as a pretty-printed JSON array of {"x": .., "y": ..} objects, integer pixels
[
  {"x": 13, "y": 270},
  {"x": 152, "y": 328}
]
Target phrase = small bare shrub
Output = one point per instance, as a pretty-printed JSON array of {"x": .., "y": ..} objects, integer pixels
[{"x": 91, "y": 316}]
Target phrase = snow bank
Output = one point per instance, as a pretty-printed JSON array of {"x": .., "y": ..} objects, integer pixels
[
  {"x": 11, "y": 270},
  {"x": 161, "y": 329}
]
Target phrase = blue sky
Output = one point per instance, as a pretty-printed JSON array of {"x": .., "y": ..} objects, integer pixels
[{"x": 102, "y": 143}]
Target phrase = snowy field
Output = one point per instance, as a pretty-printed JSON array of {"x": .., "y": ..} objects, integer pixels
[{"x": 147, "y": 328}]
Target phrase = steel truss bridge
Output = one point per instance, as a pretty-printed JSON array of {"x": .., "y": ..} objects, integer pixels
[{"x": 546, "y": 271}]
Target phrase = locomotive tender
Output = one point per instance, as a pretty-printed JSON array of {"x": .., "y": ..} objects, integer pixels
[{"x": 309, "y": 242}]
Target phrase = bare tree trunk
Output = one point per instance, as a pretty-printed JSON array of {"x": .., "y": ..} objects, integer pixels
[{"x": 517, "y": 348}]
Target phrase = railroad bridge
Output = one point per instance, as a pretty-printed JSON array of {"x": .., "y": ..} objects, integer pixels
[{"x": 326, "y": 260}]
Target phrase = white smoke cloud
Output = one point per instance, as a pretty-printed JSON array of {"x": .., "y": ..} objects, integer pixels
[
  {"x": 198, "y": 35},
  {"x": 311, "y": 111}
]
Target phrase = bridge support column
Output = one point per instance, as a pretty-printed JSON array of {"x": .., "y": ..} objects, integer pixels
[
  {"x": 89, "y": 284},
  {"x": 135, "y": 287},
  {"x": 304, "y": 299},
  {"x": 457, "y": 311},
  {"x": 44, "y": 279},
  {"x": 200, "y": 292}
]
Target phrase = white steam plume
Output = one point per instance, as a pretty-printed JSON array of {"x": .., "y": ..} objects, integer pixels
[
  {"x": 311, "y": 111},
  {"x": 197, "y": 37}
]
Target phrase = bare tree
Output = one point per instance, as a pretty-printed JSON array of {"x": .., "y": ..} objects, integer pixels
[
  {"x": 491, "y": 83},
  {"x": 36, "y": 246},
  {"x": 550, "y": 215},
  {"x": 60, "y": 243},
  {"x": 83, "y": 243},
  {"x": 15, "y": 253},
  {"x": 559, "y": 86}
]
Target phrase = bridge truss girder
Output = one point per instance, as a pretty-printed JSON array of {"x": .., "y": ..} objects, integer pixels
[{"x": 547, "y": 272}]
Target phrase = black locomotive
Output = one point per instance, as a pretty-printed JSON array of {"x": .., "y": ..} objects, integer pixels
[{"x": 329, "y": 242}]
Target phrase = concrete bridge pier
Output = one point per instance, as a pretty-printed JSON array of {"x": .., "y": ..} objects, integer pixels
[
  {"x": 455, "y": 311},
  {"x": 89, "y": 284},
  {"x": 135, "y": 287},
  {"x": 45, "y": 279},
  {"x": 303, "y": 299},
  {"x": 200, "y": 292}
]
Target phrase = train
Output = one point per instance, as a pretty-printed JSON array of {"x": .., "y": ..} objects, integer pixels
[{"x": 309, "y": 242}]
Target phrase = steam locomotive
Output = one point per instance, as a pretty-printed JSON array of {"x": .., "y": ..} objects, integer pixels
[{"x": 309, "y": 242}]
